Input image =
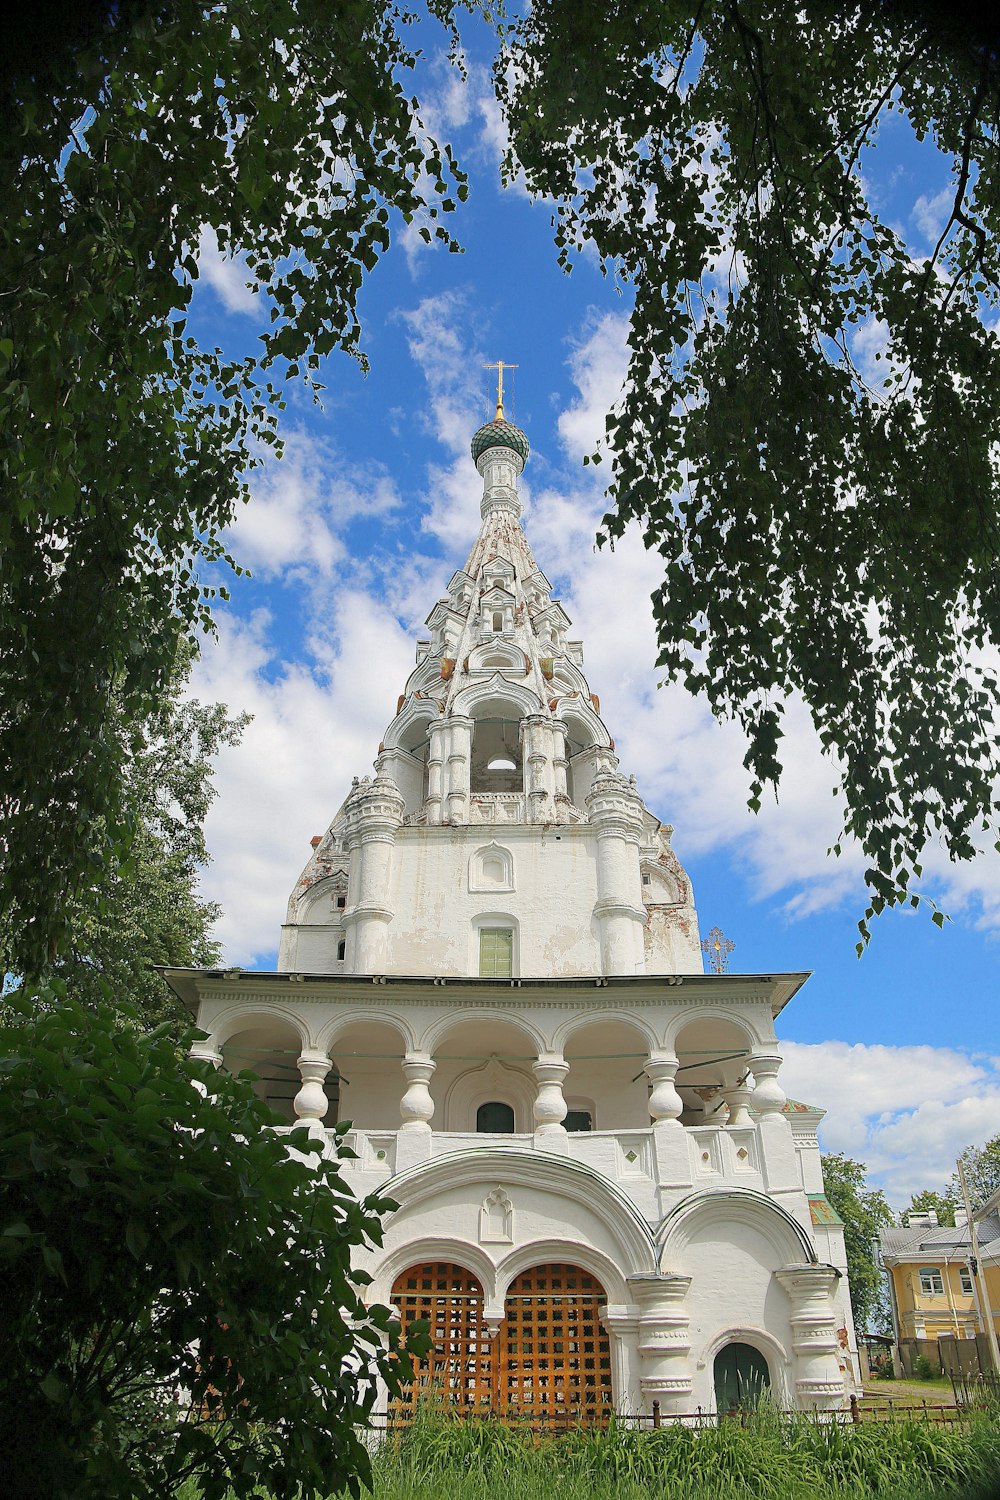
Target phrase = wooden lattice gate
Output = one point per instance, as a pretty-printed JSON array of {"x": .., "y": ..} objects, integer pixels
[
  {"x": 549, "y": 1362},
  {"x": 458, "y": 1371}
]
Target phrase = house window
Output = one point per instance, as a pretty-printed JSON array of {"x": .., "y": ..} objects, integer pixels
[
  {"x": 965, "y": 1277},
  {"x": 496, "y": 952},
  {"x": 495, "y": 1118},
  {"x": 341, "y": 902},
  {"x": 497, "y": 620},
  {"x": 645, "y": 879},
  {"x": 931, "y": 1283},
  {"x": 342, "y": 948},
  {"x": 578, "y": 1119}
]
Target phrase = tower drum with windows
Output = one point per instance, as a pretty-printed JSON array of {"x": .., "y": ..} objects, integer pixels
[{"x": 491, "y": 966}]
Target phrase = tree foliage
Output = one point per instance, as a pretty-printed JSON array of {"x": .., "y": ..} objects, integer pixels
[
  {"x": 145, "y": 909},
  {"x": 943, "y": 1204},
  {"x": 177, "y": 1287},
  {"x": 286, "y": 132},
  {"x": 824, "y": 531},
  {"x": 865, "y": 1212},
  {"x": 982, "y": 1173}
]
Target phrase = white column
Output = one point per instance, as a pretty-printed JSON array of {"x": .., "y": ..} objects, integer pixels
[
  {"x": 738, "y": 1098},
  {"x": 207, "y": 1050},
  {"x": 559, "y": 763},
  {"x": 458, "y": 768},
  {"x": 777, "y": 1149},
  {"x": 435, "y": 772},
  {"x": 311, "y": 1103},
  {"x": 615, "y": 812},
  {"x": 416, "y": 1106},
  {"x": 550, "y": 1107},
  {"x": 665, "y": 1103},
  {"x": 819, "y": 1380},
  {"x": 375, "y": 810},
  {"x": 539, "y": 776},
  {"x": 622, "y": 1324},
  {"x": 664, "y": 1345}
]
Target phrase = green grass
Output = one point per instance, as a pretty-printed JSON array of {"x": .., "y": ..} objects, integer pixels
[{"x": 771, "y": 1458}]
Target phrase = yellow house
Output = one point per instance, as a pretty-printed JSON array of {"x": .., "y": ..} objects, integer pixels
[{"x": 933, "y": 1291}]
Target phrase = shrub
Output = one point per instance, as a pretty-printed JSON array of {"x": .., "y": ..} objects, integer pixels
[{"x": 156, "y": 1236}]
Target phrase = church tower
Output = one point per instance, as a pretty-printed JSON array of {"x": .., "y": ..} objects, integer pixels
[{"x": 491, "y": 966}]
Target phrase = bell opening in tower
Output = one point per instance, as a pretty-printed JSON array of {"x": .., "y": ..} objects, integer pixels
[{"x": 496, "y": 756}]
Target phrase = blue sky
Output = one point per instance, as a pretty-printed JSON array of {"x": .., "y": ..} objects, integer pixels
[{"x": 351, "y": 539}]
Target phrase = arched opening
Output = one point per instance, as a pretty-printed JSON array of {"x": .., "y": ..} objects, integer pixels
[
  {"x": 741, "y": 1378},
  {"x": 553, "y": 1351},
  {"x": 269, "y": 1048},
  {"x": 495, "y": 1118},
  {"x": 712, "y": 1055},
  {"x": 457, "y": 1370},
  {"x": 496, "y": 750},
  {"x": 606, "y": 1078},
  {"x": 368, "y": 1057},
  {"x": 481, "y": 1063}
]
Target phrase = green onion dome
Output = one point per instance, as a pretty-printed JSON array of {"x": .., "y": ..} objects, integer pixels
[{"x": 499, "y": 434}]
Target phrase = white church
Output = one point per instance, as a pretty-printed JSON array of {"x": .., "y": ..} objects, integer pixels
[{"x": 491, "y": 966}]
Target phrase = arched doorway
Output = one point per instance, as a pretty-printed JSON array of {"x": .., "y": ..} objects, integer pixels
[
  {"x": 553, "y": 1351},
  {"x": 457, "y": 1371},
  {"x": 741, "y": 1377}
]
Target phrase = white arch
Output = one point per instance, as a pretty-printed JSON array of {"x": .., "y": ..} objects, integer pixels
[
  {"x": 425, "y": 674},
  {"x": 582, "y": 711},
  {"x": 242, "y": 1017},
  {"x": 785, "y": 1235},
  {"x": 432, "y": 1038},
  {"x": 579, "y": 1022},
  {"x": 486, "y": 1081},
  {"x": 567, "y": 677},
  {"x": 500, "y": 690},
  {"x": 322, "y": 888},
  {"x": 368, "y": 1015},
  {"x": 432, "y": 1247},
  {"x": 512, "y": 656},
  {"x": 556, "y": 1177},
  {"x": 569, "y": 1252},
  {"x": 412, "y": 713},
  {"x": 685, "y": 1018}
]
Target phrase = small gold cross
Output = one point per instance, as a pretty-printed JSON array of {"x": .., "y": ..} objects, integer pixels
[{"x": 499, "y": 366}]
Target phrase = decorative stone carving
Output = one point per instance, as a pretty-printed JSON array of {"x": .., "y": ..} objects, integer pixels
[{"x": 496, "y": 1219}]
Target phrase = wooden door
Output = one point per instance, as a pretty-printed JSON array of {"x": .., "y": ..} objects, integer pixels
[
  {"x": 553, "y": 1352},
  {"x": 458, "y": 1371},
  {"x": 741, "y": 1377}
]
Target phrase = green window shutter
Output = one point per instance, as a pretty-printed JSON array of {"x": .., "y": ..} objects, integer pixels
[{"x": 496, "y": 952}]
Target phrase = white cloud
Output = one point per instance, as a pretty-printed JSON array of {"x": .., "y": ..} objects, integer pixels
[
  {"x": 316, "y": 724},
  {"x": 905, "y": 1111},
  {"x": 226, "y": 275},
  {"x": 298, "y": 505},
  {"x": 931, "y": 214},
  {"x": 599, "y": 364}
]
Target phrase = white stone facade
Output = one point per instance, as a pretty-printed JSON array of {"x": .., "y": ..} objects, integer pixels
[{"x": 494, "y": 941}]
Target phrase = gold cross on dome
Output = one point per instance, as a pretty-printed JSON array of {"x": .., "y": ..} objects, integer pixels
[
  {"x": 718, "y": 947},
  {"x": 499, "y": 366}
]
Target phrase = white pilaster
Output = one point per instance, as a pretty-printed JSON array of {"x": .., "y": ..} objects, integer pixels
[
  {"x": 819, "y": 1382},
  {"x": 664, "y": 1345}
]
